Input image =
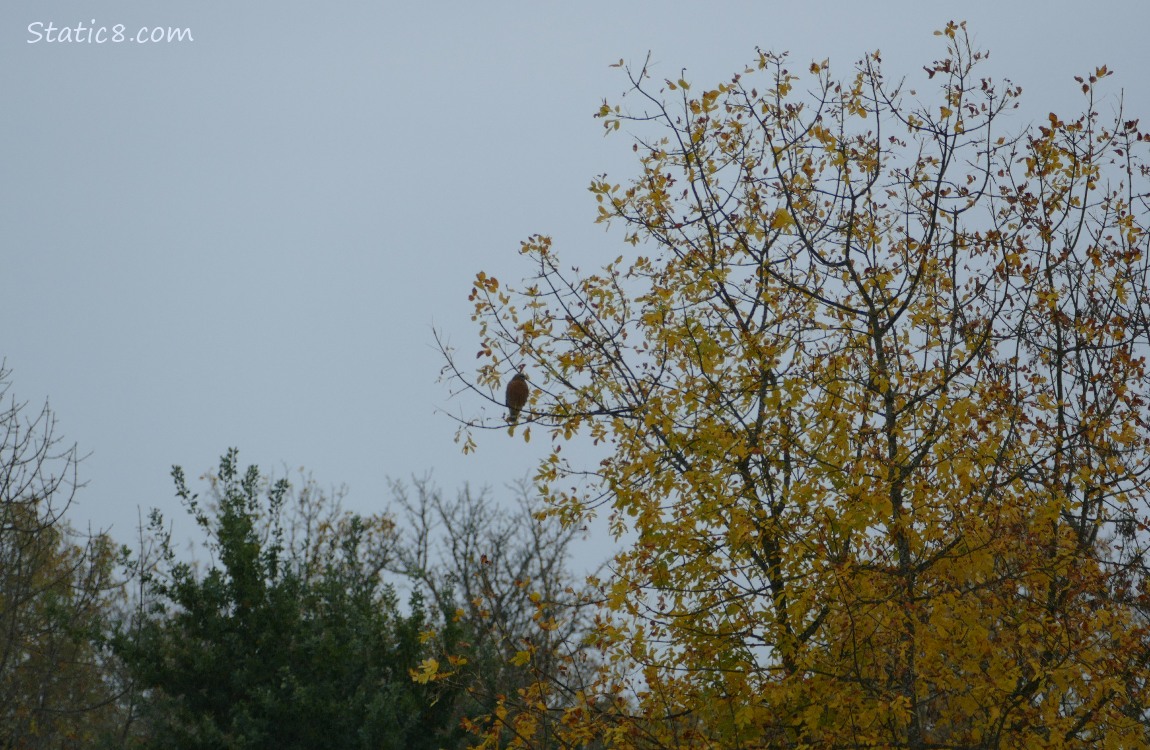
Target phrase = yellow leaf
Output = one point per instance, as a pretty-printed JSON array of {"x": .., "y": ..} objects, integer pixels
[
  {"x": 782, "y": 219},
  {"x": 428, "y": 671}
]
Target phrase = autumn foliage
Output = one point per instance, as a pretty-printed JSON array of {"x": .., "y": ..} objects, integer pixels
[{"x": 871, "y": 387}]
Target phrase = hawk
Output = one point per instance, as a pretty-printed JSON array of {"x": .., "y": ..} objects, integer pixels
[{"x": 516, "y": 397}]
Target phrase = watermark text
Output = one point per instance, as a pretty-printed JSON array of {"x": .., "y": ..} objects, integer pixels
[{"x": 48, "y": 32}]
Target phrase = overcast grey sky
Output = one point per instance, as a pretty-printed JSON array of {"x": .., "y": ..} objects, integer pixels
[{"x": 245, "y": 238}]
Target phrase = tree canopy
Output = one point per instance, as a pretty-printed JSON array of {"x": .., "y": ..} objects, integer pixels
[
  {"x": 870, "y": 380},
  {"x": 292, "y": 632},
  {"x": 290, "y": 638}
]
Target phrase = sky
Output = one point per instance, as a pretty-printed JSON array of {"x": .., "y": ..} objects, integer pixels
[{"x": 247, "y": 238}]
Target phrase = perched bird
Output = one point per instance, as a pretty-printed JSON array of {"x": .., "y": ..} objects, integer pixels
[{"x": 516, "y": 396}]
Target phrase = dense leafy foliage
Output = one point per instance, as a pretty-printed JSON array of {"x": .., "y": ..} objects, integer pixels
[
  {"x": 872, "y": 390},
  {"x": 285, "y": 642}
]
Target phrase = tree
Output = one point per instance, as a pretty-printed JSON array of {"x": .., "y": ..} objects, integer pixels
[
  {"x": 290, "y": 638},
  {"x": 871, "y": 385},
  {"x": 57, "y": 590},
  {"x": 519, "y": 615}
]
